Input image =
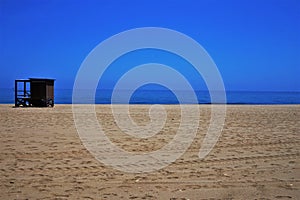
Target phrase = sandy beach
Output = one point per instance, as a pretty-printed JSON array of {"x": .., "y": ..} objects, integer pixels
[{"x": 256, "y": 157}]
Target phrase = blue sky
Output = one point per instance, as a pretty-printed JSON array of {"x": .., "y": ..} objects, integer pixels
[{"x": 255, "y": 44}]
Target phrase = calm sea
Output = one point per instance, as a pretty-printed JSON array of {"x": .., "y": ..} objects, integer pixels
[{"x": 64, "y": 96}]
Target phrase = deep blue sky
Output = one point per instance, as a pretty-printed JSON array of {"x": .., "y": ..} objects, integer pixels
[{"x": 255, "y": 44}]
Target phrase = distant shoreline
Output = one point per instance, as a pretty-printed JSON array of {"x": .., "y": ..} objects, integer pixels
[
  {"x": 64, "y": 96},
  {"x": 105, "y": 104}
]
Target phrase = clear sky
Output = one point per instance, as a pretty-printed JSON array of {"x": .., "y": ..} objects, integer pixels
[{"x": 255, "y": 44}]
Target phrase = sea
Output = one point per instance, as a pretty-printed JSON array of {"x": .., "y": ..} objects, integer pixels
[{"x": 64, "y": 96}]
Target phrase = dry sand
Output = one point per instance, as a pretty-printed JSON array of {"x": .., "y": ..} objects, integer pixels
[{"x": 256, "y": 157}]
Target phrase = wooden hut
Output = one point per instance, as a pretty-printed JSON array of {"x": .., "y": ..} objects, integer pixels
[{"x": 37, "y": 92}]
